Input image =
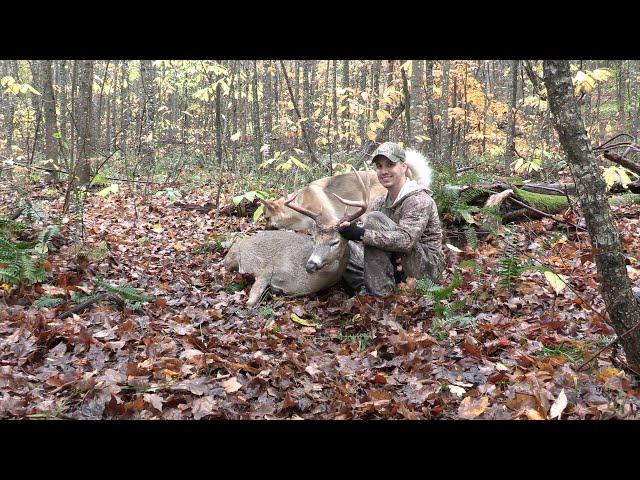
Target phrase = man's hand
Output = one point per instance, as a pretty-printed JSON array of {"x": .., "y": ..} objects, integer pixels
[{"x": 351, "y": 232}]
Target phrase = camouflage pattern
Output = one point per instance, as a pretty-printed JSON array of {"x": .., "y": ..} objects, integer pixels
[
  {"x": 400, "y": 241},
  {"x": 391, "y": 150}
]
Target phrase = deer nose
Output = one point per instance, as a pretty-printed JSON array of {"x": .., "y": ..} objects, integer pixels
[
  {"x": 311, "y": 266},
  {"x": 271, "y": 227}
]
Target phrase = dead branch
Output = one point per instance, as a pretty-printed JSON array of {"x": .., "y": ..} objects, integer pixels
[{"x": 98, "y": 298}]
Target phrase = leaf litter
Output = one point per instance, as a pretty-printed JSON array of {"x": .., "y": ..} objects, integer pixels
[{"x": 197, "y": 352}]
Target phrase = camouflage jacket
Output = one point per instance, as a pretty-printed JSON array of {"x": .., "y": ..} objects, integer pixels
[{"x": 416, "y": 216}]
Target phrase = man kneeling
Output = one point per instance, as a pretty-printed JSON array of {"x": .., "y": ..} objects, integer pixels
[{"x": 401, "y": 234}]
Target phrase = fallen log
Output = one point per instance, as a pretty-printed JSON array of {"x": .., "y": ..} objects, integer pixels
[
  {"x": 98, "y": 298},
  {"x": 623, "y": 162}
]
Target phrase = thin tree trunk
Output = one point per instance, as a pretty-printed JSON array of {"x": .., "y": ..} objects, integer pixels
[
  {"x": 615, "y": 286},
  {"x": 633, "y": 79},
  {"x": 407, "y": 111},
  {"x": 431, "y": 126},
  {"x": 84, "y": 119},
  {"x": 50, "y": 120},
  {"x": 297, "y": 110},
  {"x": 444, "y": 125},
  {"x": 257, "y": 143},
  {"x": 510, "y": 147}
]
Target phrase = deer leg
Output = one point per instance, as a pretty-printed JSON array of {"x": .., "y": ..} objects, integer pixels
[{"x": 259, "y": 286}]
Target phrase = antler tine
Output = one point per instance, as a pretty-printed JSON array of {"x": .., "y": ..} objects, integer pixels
[
  {"x": 362, "y": 204},
  {"x": 300, "y": 209}
]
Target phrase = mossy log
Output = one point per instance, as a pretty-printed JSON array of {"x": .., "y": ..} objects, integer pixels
[{"x": 547, "y": 203}]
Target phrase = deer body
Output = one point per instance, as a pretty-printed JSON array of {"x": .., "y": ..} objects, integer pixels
[{"x": 278, "y": 259}]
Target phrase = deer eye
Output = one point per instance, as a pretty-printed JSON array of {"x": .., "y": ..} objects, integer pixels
[{"x": 334, "y": 243}]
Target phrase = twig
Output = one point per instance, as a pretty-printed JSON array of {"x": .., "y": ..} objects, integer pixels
[{"x": 91, "y": 301}]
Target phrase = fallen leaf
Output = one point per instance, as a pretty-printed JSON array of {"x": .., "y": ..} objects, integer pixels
[
  {"x": 231, "y": 385},
  {"x": 533, "y": 414},
  {"x": 559, "y": 405},
  {"x": 457, "y": 391},
  {"x": 473, "y": 407},
  {"x": 312, "y": 370}
]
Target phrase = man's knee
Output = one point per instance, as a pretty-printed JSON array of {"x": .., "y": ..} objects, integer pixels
[{"x": 377, "y": 221}]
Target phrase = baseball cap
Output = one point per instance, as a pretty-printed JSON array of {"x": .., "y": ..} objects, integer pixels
[{"x": 391, "y": 150}]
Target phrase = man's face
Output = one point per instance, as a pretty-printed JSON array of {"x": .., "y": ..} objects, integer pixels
[{"x": 390, "y": 174}]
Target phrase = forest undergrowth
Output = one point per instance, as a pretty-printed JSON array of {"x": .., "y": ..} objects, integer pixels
[{"x": 172, "y": 337}]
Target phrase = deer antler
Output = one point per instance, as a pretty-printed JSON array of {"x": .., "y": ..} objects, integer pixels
[
  {"x": 362, "y": 204},
  {"x": 300, "y": 209}
]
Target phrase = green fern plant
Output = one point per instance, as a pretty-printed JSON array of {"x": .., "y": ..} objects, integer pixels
[
  {"x": 126, "y": 292},
  {"x": 47, "y": 301},
  {"x": 20, "y": 263}
]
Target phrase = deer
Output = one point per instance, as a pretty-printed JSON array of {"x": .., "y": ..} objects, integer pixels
[
  {"x": 318, "y": 194},
  {"x": 294, "y": 263}
]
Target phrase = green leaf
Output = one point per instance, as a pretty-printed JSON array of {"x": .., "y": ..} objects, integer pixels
[
  {"x": 113, "y": 188},
  {"x": 258, "y": 213},
  {"x": 237, "y": 199},
  {"x": 558, "y": 282},
  {"x": 298, "y": 163},
  {"x": 302, "y": 321}
]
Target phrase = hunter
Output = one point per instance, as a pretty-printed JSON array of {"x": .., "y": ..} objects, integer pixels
[{"x": 401, "y": 235}]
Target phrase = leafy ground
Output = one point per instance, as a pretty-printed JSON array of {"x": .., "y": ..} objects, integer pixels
[{"x": 196, "y": 351}]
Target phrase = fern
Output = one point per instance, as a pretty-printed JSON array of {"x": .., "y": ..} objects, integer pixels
[
  {"x": 471, "y": 236},
  {"x": 126, "y": 292},
  {"x": 47, "y": 301},
  {"x": 17, "y": 265},
  {"x": 510, "y": 268}
]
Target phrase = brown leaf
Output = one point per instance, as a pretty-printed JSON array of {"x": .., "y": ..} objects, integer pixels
[
  {"x": 231, "y": 385},
  {"x": 202, "y": 407},
  {"x": 473, "y": 407}
]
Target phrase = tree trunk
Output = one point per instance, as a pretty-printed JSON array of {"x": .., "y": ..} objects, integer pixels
[
  {"x": 83, "y": 116},
  {"x": 50, "y": 120},
  {"x": 257, "y": 142},
  {"x": 444, "y": 125},
  {"x": 633, "y": 79},
  {"x": 431, "y": 126},
  {"x": 615, "y": 287},
  {"x": 510, "y": 147},
  {"x": 416, "y": 96},
  {"x": 408, "y": 138},
  {"x": 268, "y": 101}
]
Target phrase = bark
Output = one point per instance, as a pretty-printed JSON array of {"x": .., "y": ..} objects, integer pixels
[
  {"x": 147, "y": 108},
  {"x": 219, "y": 141},
  {"x": 416, "y": 96},
  {"x": 268, "y": 100},
  {"x": 444, "y": 115},
  {"x": 510, "y": 147},
  {"x": 50, "y": 119},
  {"x": 615, "y": 286},
  {"x": 84, "y": 121},
  {"x": 408, "y": 138},
  {"x": 633, "y": 79},
  {"x": 431, "y": 126},
  {"x": 257, "y": 141},
  {"x": 306, "y": 98}
]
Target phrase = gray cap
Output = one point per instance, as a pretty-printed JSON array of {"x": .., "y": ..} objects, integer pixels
[{"x": 391, "y": 150}]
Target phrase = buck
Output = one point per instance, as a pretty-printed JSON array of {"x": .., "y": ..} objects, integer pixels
[
  {"x": 294, "y": 263},
  {"x": 317, "y": 196}
]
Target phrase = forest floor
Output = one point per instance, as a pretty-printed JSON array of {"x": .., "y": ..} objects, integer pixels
[{"x": 196, "y": 351}]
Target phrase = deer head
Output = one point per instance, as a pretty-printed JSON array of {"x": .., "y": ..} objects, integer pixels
[
  {"x": 329, "y": 245},
  {"x": 278, "y": 216}
]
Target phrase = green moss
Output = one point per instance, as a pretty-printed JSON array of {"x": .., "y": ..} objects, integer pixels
[
  {"x": 547, "y": 203},
  {"x": 626, "y": 199}
]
